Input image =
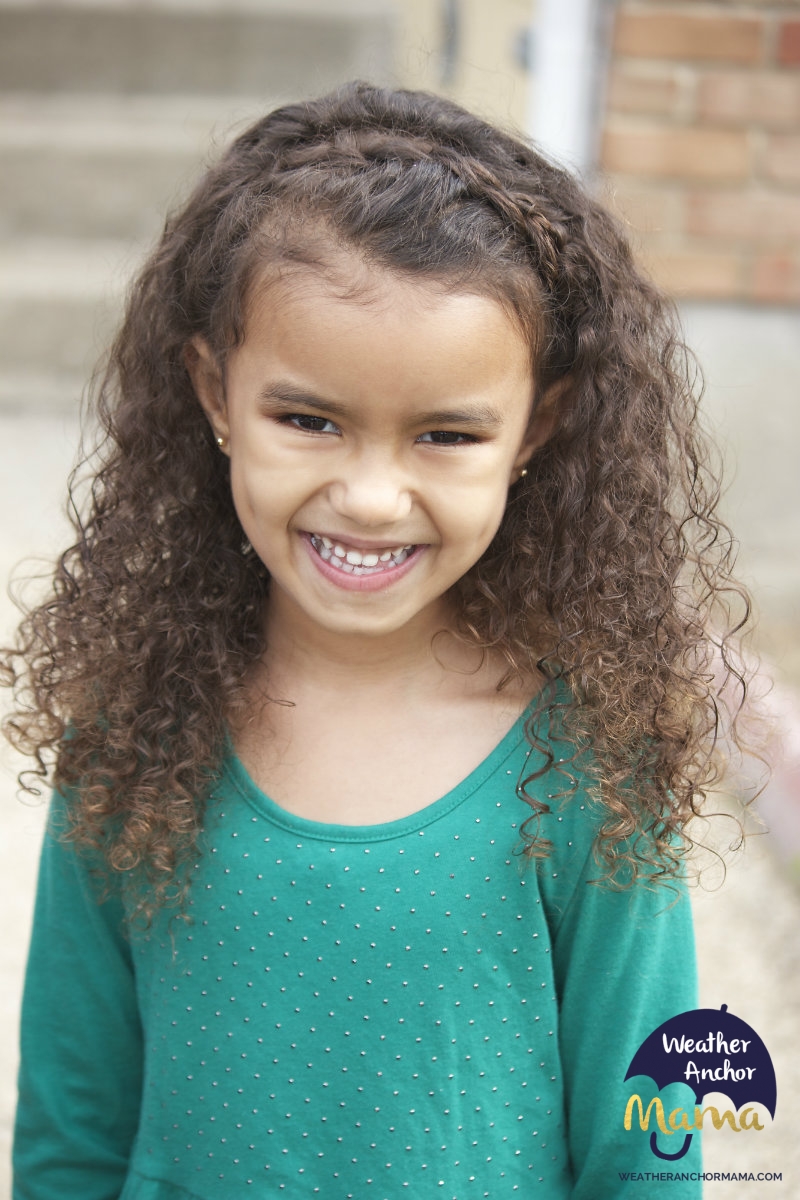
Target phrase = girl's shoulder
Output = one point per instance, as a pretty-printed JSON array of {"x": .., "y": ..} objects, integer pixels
[{"x": 570, "y": 824}]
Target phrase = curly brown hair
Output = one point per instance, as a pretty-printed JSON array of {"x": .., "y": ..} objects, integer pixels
[{"x": 610, "y": 569}]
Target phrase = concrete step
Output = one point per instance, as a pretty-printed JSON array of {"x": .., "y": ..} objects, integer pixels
[
  {"x": 59, "y": 303},
  {"x": 108, "y": 109},
  {"x": 115, "y": 165},
  {"x": 133, "y": 48},
  {"x": 41, "y": 391}
]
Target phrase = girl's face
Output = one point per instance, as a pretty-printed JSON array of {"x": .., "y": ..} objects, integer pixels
[{"x": 373, "y": 430}]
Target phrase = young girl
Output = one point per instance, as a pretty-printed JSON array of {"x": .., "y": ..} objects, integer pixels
[{"x": 379, "y": 689}]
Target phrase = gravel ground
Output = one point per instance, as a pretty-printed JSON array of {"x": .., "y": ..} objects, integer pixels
[{"x": 747, "y": 924}]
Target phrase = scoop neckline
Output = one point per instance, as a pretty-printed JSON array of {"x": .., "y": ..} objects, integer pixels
[{"x": 265, "y": 806}]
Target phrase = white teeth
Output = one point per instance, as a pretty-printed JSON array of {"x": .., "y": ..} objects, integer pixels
[{"x": 356, "y": 562}]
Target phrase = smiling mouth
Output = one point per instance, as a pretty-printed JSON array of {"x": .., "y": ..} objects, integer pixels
[{"x": 360, "y": 562}]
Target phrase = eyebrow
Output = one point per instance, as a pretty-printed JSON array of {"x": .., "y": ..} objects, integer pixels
[
  {"x": 481, "y": 416},
  {"x": 290, "y": 393}
]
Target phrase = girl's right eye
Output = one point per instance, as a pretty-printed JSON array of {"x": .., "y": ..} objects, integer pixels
[{"x": 309, "y": 423}]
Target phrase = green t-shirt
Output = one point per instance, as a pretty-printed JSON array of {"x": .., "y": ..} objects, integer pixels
[{"x": 403, "y": 1009}]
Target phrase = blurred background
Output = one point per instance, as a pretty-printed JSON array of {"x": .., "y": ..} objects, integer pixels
[{"x": 683, "y": 116}]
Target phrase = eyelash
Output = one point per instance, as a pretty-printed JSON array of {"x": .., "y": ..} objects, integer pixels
[
  {"x": 462, "y": 439},
  {"x": 294, "y": 419}
]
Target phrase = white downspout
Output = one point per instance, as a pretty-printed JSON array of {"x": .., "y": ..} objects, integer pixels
[{"x": 570, "y": 46}]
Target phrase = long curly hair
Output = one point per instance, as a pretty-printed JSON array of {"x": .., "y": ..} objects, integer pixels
[{"x": 611, "y": 571}]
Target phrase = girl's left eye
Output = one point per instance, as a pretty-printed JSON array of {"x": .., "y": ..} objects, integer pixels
[
  {"x": 446, "y": 437},
  {"x": 309, "y": 423}
]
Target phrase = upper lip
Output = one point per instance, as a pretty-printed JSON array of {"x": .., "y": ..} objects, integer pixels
[{"x": 362, "y": 543}]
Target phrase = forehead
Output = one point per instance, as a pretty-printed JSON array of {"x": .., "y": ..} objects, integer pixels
[{"x": 353, "y": 325}]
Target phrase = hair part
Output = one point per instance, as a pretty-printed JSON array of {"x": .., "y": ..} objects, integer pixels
[{"x": 611, "y": 570}]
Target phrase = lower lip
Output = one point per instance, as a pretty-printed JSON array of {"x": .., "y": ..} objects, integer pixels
[{"x": 362, "y": 583}]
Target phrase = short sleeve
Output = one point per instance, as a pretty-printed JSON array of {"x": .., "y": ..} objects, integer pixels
[{"x": 81, "y": 1043}]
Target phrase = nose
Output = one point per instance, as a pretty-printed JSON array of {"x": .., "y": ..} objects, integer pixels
[{"x": 371, "y": 491}]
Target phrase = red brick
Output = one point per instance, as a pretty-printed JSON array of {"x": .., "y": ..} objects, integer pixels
[
  {"x": 757, "y": 216},
  {"x": 776, "y": 278},
  {"x": 698, "y": 273},
  {"x": 781, "y": 160},
  {"x": 644, "y": 88},
  {"x": 682, "y": 35},
  {"x": 678, "y": 153},
  {"x": 789, "y": 44},
  {"x": 741, "y": 98},
  {"x": 723, "y": 4},
  {"x": 643, "y": 208}
]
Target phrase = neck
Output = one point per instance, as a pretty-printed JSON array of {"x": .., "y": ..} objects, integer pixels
[{"x": 421, "y": 656}]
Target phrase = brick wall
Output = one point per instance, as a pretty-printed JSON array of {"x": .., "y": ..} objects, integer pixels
[{"x": 701, "y": 143}]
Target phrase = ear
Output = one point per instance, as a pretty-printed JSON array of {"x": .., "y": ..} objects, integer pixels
[
  {"x": 542, "y": 425},
  {"x": 208, "y": 385}
]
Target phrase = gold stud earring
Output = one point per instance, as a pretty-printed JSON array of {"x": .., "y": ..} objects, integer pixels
[
  {"x": 523, "y": 472},
  {"x": 222, "y": 442}
]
